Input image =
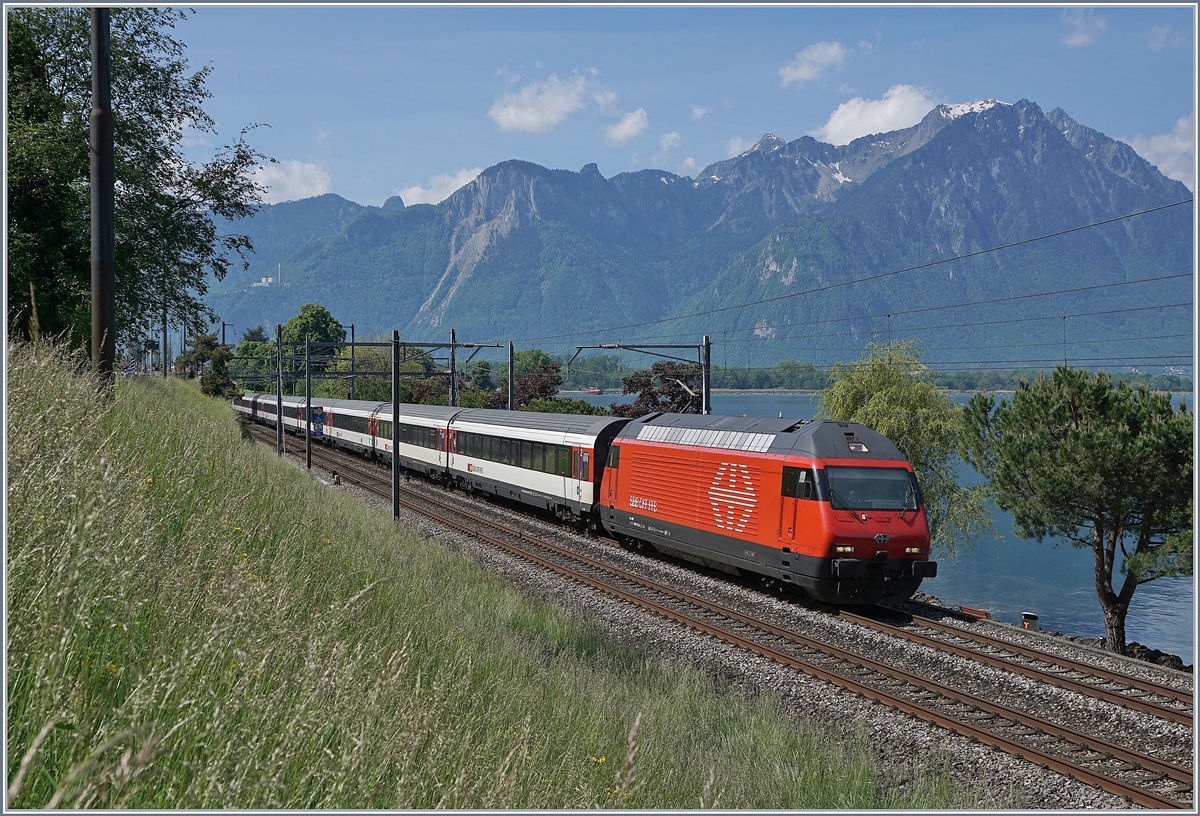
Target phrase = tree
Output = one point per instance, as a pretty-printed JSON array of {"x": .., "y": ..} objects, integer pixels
[
  {"x": 313, "y": 321},
  {"x": 563, "y": 405},
  {"x": 166, "y": 236},
  {"x": 481, "y": 376},
  {"x": 253, "y": 364},
  {"x": 536, "y": 375},
  {"x": 256, "y": 335},
  {"x": 668, "y": 386},
  {"x": 1104, "y": 467},
  {"x": 891, "y": 392}
]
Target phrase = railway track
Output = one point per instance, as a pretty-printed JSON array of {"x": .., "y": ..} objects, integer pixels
[
  {"x": 1091, "y": 758},
  {"x": 1149, "y": 697}
]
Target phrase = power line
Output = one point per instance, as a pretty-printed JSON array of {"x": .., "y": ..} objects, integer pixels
[
  {"x": 1056, "y": 344},
  {"x": 989, "y": 302},
  {"x": 869, "y": 278},
  {"x": 956, "y": 325}
]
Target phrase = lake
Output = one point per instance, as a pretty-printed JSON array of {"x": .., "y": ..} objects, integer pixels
[{"x": 1015, "y": 575}]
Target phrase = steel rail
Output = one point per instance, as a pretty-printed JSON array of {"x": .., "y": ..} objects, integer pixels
[
  {"x": 1182, "y": 695},
  {"x": 1008, "y": 664}
]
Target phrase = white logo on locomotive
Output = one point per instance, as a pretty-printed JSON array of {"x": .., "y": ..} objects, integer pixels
[{"x": 732, "y": 497}]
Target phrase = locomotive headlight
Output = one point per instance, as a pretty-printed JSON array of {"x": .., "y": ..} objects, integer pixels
[
  {"x": 843, "y": 548},
  {"x": 916, "y": 550}
]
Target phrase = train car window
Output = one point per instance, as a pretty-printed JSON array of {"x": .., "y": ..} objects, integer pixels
[
  {"x": 797, "y": 483},
  {"x": 526, "y": 454},
  {"x": 563, "y": 461},
  {"x": 384, "y": 429},
  {"x": 505, "y": 452},
  {"x": 535, "y": 459}
]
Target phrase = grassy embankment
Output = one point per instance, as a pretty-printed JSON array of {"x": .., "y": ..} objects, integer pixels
[{"x": 193, "y": 623}]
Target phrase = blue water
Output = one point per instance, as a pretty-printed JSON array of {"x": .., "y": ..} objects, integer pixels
[{"x": 1014, "y": 575}]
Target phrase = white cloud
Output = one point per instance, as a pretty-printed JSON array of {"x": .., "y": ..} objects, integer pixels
[
  {"x": 1161, "y": 36},
  {"x": 541, "y": 106},
  {"x": 1084, "y": 25},
  {"x": 902, "y": 106},
  {"x": 630, "y": 126},
  {"x": 440, "y": 187},
  {"x": 322, "y": 137},
  {"x": 736, "y": 146},
  {"x": 811, "y": 63},
  {"x": 666, "y": 143},
  {"x": 688, "y": 167},
  {"x": 292, "y": 180},
  {"x": 1172, "y": 153},
  {"x": 698, "y": 111}
]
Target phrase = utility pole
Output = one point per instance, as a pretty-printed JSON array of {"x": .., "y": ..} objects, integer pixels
[
  {"x": 395, "y": 424},
  {"x": 706, "y": 376},
  {"x": 453, "y": 373},
  {"x": 308, "y": 401},
  {"x": 103, "y": 188},
  {"x": 511, "y": 378},
  {"x": 279, "y": 389},
  {"x": 162, "y": 357},
  {"x": 351, "y": 361},
  {"x": 223, "y": 325}
]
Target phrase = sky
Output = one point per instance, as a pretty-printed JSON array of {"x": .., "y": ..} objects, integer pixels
[{"x": 374, "y": 101}]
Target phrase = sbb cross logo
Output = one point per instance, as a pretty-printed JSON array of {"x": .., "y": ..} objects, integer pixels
[{"x": 732, "y": 497}]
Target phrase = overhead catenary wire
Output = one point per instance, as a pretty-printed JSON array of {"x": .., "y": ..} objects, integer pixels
[
  {"x": 866, "y": 279},
  {"x": 966, "y": 304}
]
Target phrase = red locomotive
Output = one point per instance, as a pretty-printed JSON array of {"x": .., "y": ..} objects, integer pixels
[{"x": 830, "y": 507}]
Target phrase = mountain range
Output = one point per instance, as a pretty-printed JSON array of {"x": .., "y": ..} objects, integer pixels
[{"x": 533, "y": 254}]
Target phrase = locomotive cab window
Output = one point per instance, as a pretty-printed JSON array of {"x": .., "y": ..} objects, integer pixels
[
  {"x": 872, "y": 488},
  {"x": 614, "y": 456},
  {"x": 797, "y": 483}
]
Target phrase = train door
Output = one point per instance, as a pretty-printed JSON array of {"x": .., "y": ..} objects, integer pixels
[
  {"x": 441, "y": 447},
  {"x": 789, "y": 499}
]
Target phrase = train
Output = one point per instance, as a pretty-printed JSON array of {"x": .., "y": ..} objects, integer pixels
[{"x": 830, "y": 509}]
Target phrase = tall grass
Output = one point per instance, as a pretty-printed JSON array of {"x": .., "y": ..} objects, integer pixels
[{"x": 193, "y": 623}]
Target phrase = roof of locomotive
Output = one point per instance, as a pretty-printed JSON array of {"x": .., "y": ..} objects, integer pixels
[
  {"x": 821, "y": 439},
  {"x": 557, "y": 423}
]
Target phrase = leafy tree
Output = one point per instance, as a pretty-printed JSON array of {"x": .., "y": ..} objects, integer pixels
[
  {"x": 536, "y": 375},
  {"x": 253, "y": 364},
  {"x": 563, "y": 405},
  {"x": 668, "y": 386},
  {"x": 256, "y": 335},
  {"x": 315, "y": 321},
  {"x": 1109, "y": 468},
  {"x": 166, "y": 237},
  {"x": 891, "y": 392},
  {"x": 481, "y": 376}
]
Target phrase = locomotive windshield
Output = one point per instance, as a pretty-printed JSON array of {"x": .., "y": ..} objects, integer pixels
[{"x": 871, "y": 488}]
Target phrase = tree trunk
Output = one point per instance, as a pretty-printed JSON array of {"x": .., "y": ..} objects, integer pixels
[{"x": 1115, "y": 606}]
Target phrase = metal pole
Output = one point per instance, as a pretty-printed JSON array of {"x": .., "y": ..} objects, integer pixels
[
  {"x": 395, "y": 423},
  {"x": 511, "y": 378},
  {"x": 453, "y": 373},
  {"x": 162, "y": 354},
  {"x": 706, "y": 376},
  {"x": 351, "y": 361},
  {"x": 279, "y": 389},
  {"x": 308, "y": 401},
  {"x": 103, "y": 187}
]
